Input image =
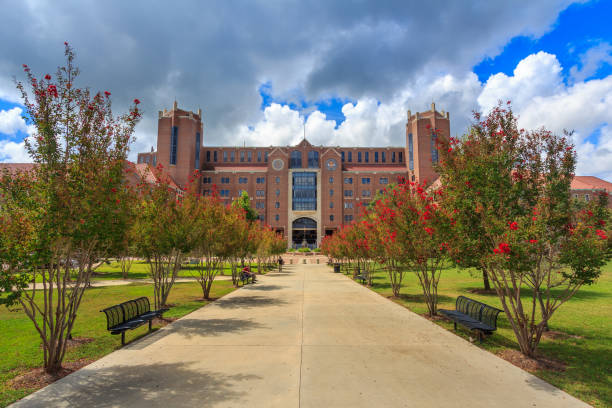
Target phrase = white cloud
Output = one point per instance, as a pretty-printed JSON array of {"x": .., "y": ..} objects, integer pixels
[
  {"x": 12, "y": 122},
  {"x": 13, "y": 152},
  {"x": 593, "y": 59}
]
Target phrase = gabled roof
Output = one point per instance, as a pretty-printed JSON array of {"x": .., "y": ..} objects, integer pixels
[{"x": 304, "y": 143}]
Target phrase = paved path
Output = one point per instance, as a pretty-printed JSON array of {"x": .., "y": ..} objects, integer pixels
[
  {"x": 121, "y": 282},
  {"x": 302, "y": 338}
]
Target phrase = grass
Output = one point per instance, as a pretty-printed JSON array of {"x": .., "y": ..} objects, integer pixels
[
  {"x": 140, "y": 270},
  {"x": 588, "y": 356},
  {"x": 20, "y": 343}
]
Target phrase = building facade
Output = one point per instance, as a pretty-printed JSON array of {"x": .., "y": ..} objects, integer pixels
[{"x": 303, "y": 192}]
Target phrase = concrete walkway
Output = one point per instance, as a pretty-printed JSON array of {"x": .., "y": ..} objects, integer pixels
[{"x": 302, "y": 338}]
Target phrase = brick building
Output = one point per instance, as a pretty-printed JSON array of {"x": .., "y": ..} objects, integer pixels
[{"x": 304, "y": 192}]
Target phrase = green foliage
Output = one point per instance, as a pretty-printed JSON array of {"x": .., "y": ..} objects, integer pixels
[
  {"x": 243, "y": 202},
  {"x": 304, "y": 249}
]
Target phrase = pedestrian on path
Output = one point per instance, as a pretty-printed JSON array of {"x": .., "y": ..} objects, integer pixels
[{"x": 280, "y": 263}]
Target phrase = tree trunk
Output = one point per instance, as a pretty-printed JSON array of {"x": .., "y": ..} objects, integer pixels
[{"x": 485, "y": 279}]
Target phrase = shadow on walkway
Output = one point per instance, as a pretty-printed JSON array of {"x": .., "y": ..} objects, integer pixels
[
  {"x": 144, "y": 385},
  {"x": 248, "y": 301}
]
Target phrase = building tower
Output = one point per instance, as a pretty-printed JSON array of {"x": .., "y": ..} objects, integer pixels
[
  {"x": 179, "y": 142},
  {"x": 421, "y": 144}
]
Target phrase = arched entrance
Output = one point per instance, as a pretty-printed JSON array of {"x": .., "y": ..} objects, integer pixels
[{"x": 304, "y": 233}]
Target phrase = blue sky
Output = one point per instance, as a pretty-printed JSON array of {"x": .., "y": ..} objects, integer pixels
[{"x": 262, "y": 71}]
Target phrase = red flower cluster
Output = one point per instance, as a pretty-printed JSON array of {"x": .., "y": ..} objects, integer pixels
[
  {"x": 533, "y": 241},
  {"x": 136, "y": 101},
  {"x": 107, "y": 94},
  {"x": 52, "y": 91},
  {"x": 513, "y": 225},
  {"x": 502, "y": 248},
  {"x": 48, "y": 77},
  {"x": 601, "y": 234}
]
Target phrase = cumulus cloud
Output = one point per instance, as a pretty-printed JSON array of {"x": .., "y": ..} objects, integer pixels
[
  {"x": 215, "y": 55},
  {"x": 13, "y": 152},
  {"x": 591, "y": 61},
  {"x": 11, "y": 122}
]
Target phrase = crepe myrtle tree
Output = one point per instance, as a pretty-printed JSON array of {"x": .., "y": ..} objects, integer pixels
[
  {"x": 537, "y": 248},
  {"x": 164, "y": 231},
  {"x": 57, "y": 218}
]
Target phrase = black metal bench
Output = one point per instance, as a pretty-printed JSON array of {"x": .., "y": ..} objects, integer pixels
[
  {"x": 474, "y": 315},
  {"x": 130, "y": 315},
  {"x": 362, "y": 277}
]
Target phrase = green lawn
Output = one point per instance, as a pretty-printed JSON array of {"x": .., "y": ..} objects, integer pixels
[
  {"x": 140, "y": 270},
  {"x": 20, "y": 344},
  {"x": 587, "y": 315}
]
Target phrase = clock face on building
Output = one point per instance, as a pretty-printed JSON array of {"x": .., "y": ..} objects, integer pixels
[
  {"x": 277, "y": 164},
  {"x": 331, "y": 164}
]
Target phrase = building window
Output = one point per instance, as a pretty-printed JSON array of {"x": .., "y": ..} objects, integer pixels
[
  {"x": 242, "y": 156},
  {"x": 384, "y": 157},
  {"x": 383, "y": 180},
  {"x": 348, "y": 180},
  {"x": 375, "y": 157},
  {"x": 434, "y": 148},
  {"x": 392, "y": 157},
  {"x": 342, "y": 157},
  {"x": 277, "y": 217},
  {"x": 348, "y": 193},
  {"x": 260, "y": 205},
  {"x": 207, "y": 152},
  {"x": 277, "y": 205},
  {"x": 367, "y": 157},
  {"x": 277, "y": 180},
  {"x": 295, "y": 161},
  {"x": 348, "y": 204},
  {"x": 348, "y": 218},
  {"x": 365, "y": 180},
  {"x": 350, "y": 157},
  {"x": 249, "y": 156},
  {"x": 243, "y": 180},
  {"x": 331, "y": 204},
  {"x": 266, "y": 157},
  {"x": 410, "y": 152},
  {"x": 331, "y": 193},
  {"x": 401, "y": 157},
  {"x": 331, "y": 180},
  {"x": 260, "y": 193},
  {"x": 173, "y": 145},
  {"x": 232, "y": 156},
  {"x": 224, "y": 193},
  {"x": 313, "y": 159},
  {"x": 366, "y": 193},
  {"x": 262, "y": 217},
  {"x": 259, "y": 155},
  {"x": 224, "y": 156},
  {"x": 331, "y": 217},
  {"x": 358, "y": 157},
  {"x": 277, "y": 192},
  {"x": 304, "y": 191},
  {"x": 225, "y": 180},
  {"x": 215, "y": 156},
  {"x": 206, "y": 180},
  {"x": 261, "y": 180},
  {"x": 586, "y": 197}
]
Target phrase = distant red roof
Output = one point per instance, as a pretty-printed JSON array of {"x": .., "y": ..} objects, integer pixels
[
  {"x": 590, "y": 183},
  {"x": 357, "y": 167},
  {"x": 16, "y": 167}
]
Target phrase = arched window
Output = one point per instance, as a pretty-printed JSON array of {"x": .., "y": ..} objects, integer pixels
[
  {"x": 296, "y": 160},
  {"x": 304, "y": 223},
  {"x": 313, "y": 159}
]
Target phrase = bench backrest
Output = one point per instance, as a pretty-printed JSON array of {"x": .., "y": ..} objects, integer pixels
[
  {"x": 489, "y": 315},
  {"x": 118, "y": 314},
  {"x": 477, "y": 310},
  {"x": 114, "y": 316}
]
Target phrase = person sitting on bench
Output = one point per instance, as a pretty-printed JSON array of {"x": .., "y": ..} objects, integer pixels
[{"x": 247, "y": 272}]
